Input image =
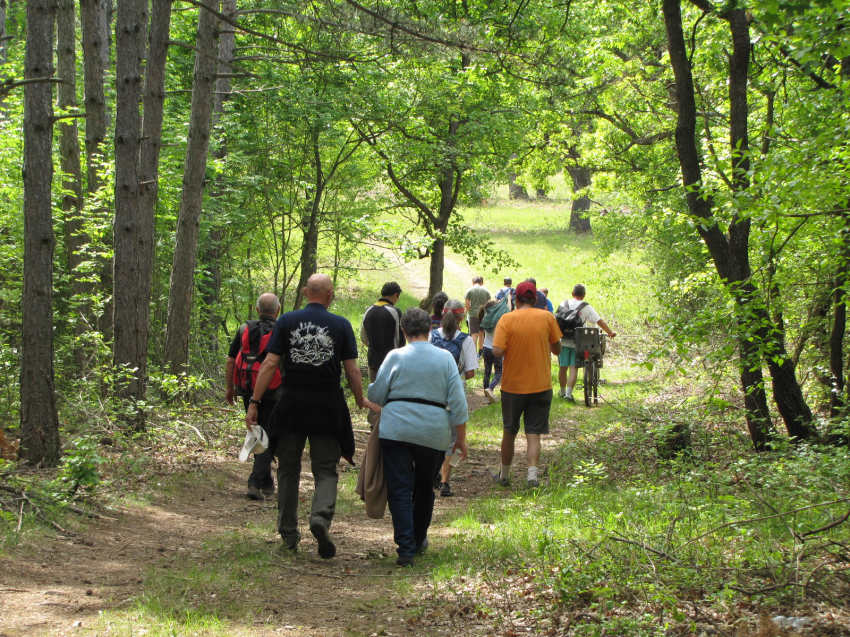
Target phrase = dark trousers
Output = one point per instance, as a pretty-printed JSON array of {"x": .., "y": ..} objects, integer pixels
[
  {"x": 261, "y": 474},
  {"x": 324, "y": 458},
  {"x": 409, "y": 471},
  {"x": 490, "y": 362}
]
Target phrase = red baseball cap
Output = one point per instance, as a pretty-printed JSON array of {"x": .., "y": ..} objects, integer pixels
[{"x": 526, "y": 290}]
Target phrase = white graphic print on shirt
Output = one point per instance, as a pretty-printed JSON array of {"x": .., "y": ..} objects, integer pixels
[{"x": 311, "y": 344}]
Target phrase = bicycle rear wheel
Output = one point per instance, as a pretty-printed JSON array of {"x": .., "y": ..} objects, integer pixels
[
  {"x": 588, "y": 381},
  {"x": 595, "y": 382}
]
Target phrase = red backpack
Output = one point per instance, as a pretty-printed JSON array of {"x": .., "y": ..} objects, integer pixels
[{"x": 255, "y": 338}]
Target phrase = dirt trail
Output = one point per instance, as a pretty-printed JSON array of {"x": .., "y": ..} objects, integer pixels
[
  {"x": 61, "y": 587},
  {"x": 457, "y": 274}
]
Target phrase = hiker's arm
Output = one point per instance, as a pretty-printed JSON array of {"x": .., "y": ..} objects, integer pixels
[
  {"x": 555, "y": 347},
  {"x": 355, "y": 383},
  {"x": 264, "y": 377},
  {"x": 229, "y": 395},
  {"x": 468, "y": 306},
  {"x": 498, "y": 352},
  {"x": 605, "y": 327},
  {"x": 469, "y": 374}
]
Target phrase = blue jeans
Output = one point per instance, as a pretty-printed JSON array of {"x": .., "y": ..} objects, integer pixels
[
  {"x": 491, "y": 362},
  {"x": 409, "y": 471}
]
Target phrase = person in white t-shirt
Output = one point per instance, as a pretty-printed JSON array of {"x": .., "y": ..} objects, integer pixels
[{"x": 567, "y": 357}]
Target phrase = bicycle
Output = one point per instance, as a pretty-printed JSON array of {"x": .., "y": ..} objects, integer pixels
[{"x": 590, "y": 348}]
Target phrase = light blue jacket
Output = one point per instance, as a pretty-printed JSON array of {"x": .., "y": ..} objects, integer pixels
[{"x": 419, "y": 370}]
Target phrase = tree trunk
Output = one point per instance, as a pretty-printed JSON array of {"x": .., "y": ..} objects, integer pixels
[
  {"x": 95, "y": 40},
  {"x": 700, "y": 205},
  {"x": 4, "y": 55},
  {"x": 839, "y": 326},
  {"x": 579, "y": 222},
  {"x": 191, "y": 201},
  {"x": 515, "y": 190},
  {"x": 69, "y": 153},
  {"x": 131, "y": 239},
  {"x": 211, "y": 287},
  {"x": 39, "y": 418}
]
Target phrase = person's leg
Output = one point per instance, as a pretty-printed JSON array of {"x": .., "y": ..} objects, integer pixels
[
  {"x": 488, "y": 366},
  {"x": 424, "y": 461},
  {"x": 324, "y": 459},
  {"x": 399, "y": 474},
  {"x": 446, "y": 468},
  {"x": 571, "y": 381},
  {"x": 536, "y": 424},
  {"x": 566, "y": 361},
  {"x": 498, "y": 377},
  {"x": 289, "y": 450},
  {"x": 562, "y": 379},
  {"x": 512, "y": 408},
  {"x": 261, "y": 474},
  {"x": 480, "y": 337}
]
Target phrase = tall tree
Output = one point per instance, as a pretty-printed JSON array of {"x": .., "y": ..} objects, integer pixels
[
  {"x": 730, "y": 253},
  {"x": 191, "y": 201},
  {"x": 131, "y": 238},
  {"x": 69, "y": 153},
  {"x": 39, "y": 417}
]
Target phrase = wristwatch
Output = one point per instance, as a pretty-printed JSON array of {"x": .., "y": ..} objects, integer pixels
[{"x": 252, "y": 401}]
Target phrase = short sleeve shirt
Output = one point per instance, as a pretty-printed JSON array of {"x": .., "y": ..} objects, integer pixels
[
  {"x": 526, "y": 335},
  {"x": 587, "y": 314},
  {"x": 470, "y": 357},
  {"x": 477, "y": 296},
  {"x": 313, "y": 341}
]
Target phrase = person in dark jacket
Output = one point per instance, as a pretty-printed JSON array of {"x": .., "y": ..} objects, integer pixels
[{"x": 381, "y": 328}]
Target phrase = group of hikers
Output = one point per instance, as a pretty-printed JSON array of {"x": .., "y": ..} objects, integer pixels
[{"x": 288, "y": 369}]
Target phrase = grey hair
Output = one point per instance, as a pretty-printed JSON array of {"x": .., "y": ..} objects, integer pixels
[
  {"x": 268, "y": 303},
  {"x": 415, "y": 322},
  {"x": 579, "y": 290}
]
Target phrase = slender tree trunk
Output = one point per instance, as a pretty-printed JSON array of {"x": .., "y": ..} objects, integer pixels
[
  {"x": 191, "y": 201},
  {"x": 839, "y": 326},
  {"x": 4, "y": 55},
  {"x": 95, "y": 40},
  {"x": 579, "y": 222},
  {"x": 211, "y": 287},
  {"x": 39, "y": 418},
  {"x": 69, "y": 153},
  {"x": 130, "y": 307}
]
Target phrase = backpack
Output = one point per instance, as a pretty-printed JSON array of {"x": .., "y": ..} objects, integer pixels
[
  {"x": 255, "y": 338},
  {"x": 453, "y": 346},
  {"x": 569, "y": 320},
  {"x": 504, "y": 292},
  {"x": 493, "y": 314}
]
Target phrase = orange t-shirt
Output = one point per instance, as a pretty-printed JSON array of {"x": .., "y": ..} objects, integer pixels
[{"x": 525, "y": 335}]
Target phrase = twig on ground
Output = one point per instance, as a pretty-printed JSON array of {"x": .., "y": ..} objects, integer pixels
[{"x": 831, "y": 525}]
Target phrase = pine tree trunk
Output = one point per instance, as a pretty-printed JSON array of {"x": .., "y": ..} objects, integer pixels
[
  {"x": 579, "y": 222},
  {"x": 39, "y": 418},
  {"x": 191, "y": 201},
  {"x": 131, "y": 239},
  {"x": 210, "y": 288},
  {"x": 69, "y": 153},
  {"x": 95, "y": 40}
]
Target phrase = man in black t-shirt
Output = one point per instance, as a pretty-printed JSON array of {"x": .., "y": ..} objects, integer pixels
[
  {"x": 381, "y": 328},
  {"x": 260, "y": 482},
  {"x": 315, "y": 347}
]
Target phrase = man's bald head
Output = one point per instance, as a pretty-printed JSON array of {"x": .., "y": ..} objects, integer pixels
[
  {"x": 268, "y": 304},
  {"x": 319, "y": 289}
]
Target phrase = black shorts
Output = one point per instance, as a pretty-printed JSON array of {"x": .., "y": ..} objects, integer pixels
[
  {"x": 474, "y": 325},
  {"x": 533, "y": 408}
]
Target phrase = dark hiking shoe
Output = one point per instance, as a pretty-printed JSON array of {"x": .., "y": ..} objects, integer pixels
[
  {"x": 446, "y": 490},
  {"x": 254, "y": 493},
  {"x": 533, "y": 484},
  {"x": 267, "y": 491},
  {"x": 496, "y": 475},
  {"x": 404, "y": 561},
  {"x": 422, "y": 547},
  {"x": 327, "y": 549}
]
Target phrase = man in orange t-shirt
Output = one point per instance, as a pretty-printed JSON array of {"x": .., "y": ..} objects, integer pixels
[{"x": 525, "y": 339}]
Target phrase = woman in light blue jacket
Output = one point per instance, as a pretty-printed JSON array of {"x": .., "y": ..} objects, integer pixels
[{"x": 422, "y": 398}]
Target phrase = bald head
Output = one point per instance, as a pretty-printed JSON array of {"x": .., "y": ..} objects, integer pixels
[
  {"x": 268, "y": 304},
  {"x": 319, "y": 289}
]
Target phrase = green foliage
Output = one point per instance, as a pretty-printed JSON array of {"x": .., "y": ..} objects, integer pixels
[{"x": 79, "y": 468}]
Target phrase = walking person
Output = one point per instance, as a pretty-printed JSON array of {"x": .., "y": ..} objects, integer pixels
[
  {"x": 462, "y": 348},
  {"x": 437, "y": 304},
  {"x": 316, "y": 347},
  {"x": 475, "y": 297},
  {"x": 415, "y": 385},
  {"x": 567, "y": 363},
  {"x": 549, "y": 306},
  {"x": 525, "y": 339},
  {"x": 508, "y": 291},
  {"x": 491, "y": 363},
  {"x": 244, "y": 359},
  {"x": 381, "y": 332},
  {"x": 541, "y": 303}
]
